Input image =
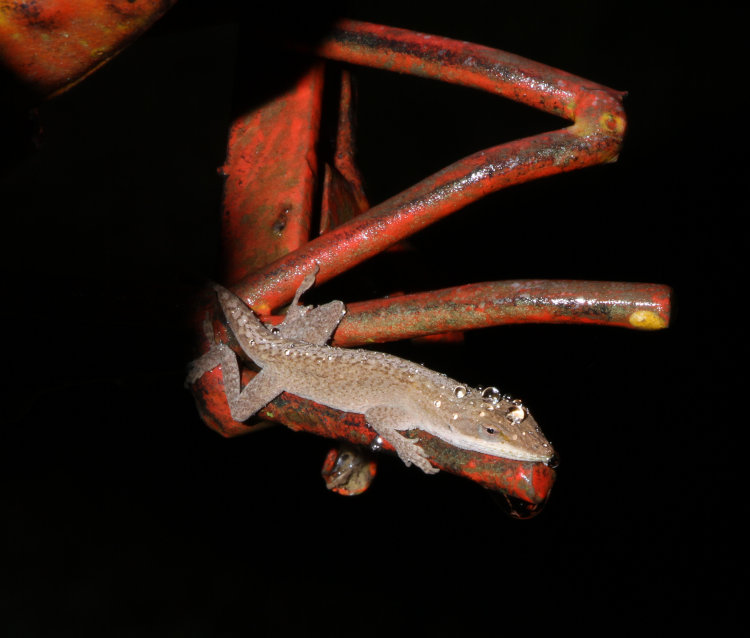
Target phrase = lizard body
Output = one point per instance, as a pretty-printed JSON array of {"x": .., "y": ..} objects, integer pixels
[{"x": 392, "y": 393}]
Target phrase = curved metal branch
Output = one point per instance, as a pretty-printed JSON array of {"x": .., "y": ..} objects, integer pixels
[
  {"x": 626, "y": 305},
  {"x": 594, "y": 138}
]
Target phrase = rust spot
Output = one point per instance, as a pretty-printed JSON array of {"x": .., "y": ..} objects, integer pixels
[
  {"x": 33, "y": 14},
  {"x": 280, "y": 223}
]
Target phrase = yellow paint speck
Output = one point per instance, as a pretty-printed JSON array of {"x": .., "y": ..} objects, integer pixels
[
  {"x": 646, "y": 320},
  {"x": 611, "y": 123}
]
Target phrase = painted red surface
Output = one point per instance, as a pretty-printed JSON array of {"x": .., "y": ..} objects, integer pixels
[
  {"x": 267, "y": 272},
  {"x": 271, "y": 198},
  {"x": 594, "y": 137},
  {"x": 50, "y": 45},
  {"x": 271, "y": 170}
]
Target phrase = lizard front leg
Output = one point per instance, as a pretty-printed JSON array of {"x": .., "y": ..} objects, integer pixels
[{"x": 387, "y": 421}]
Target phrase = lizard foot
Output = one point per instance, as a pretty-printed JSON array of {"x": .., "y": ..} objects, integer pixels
[
  {"x": 208, "y": 361},
  {"x": 387, "y": 421},
  {"x": 409, "y": 452}
]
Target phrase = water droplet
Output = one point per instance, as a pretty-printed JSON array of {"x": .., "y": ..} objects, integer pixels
[
  {"x": 459, "y": 391},
  {"x": 377, "y": 443},
  {"x": 491, "y": 394},
  {"x": 455, "y": 416},
  {"x": 438, "y": 403},
  {"x": 515, "y": 507},
  {"x": 274, "y": 331},
  {"x": 482, "y": 413},
  {"x": 287, "y": 351},
  {"x": 516, "y": 414}
]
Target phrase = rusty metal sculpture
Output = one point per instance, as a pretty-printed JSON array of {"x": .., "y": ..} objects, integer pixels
[
  {"x": 271, "y": 171},
  {"x": 270, "y": 203}
]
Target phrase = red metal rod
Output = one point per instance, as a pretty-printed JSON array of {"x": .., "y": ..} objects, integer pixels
[
  {"x": 517, "y": 78},
  {"x": 451, "y": 189},
  {"x": 626, "y": 305},
  {"x": 594, "y": 138}
]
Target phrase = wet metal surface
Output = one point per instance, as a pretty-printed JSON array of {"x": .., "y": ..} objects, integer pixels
[{"x": 267, "y": 266}]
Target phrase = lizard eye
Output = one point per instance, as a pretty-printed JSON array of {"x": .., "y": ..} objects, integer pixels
[
  {"x": 488, "y": 433},
  {"x": 486, "y": 429}
]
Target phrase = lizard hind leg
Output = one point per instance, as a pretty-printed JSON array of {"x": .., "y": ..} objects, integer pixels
[
  {"x": 263, "y": 388},
  {"x": 387, "y": 421}
]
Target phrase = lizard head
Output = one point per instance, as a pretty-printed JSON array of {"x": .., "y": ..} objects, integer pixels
[{"x": 498, "y": 425}]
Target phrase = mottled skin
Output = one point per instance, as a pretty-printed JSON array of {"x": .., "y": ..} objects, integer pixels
[{"x": 392, "y": 393}]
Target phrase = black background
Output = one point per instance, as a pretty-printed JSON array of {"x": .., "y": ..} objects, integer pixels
[{"x": 125, "y": 516}]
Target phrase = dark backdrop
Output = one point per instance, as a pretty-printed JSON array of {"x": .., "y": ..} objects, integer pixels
[{"x": 125, "y": 516}]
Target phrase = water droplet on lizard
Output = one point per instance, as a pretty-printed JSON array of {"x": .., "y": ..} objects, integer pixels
[
  {"x": 516, "y": 414},
  {"x": 459, "y": 391},
  {"x": 491, "y": 394}
]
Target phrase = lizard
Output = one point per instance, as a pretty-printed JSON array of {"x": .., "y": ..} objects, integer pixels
[{"x": 392, "y": 393}]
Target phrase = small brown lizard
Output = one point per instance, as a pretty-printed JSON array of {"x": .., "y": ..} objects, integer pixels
[{"x": 392, "y": 393}]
